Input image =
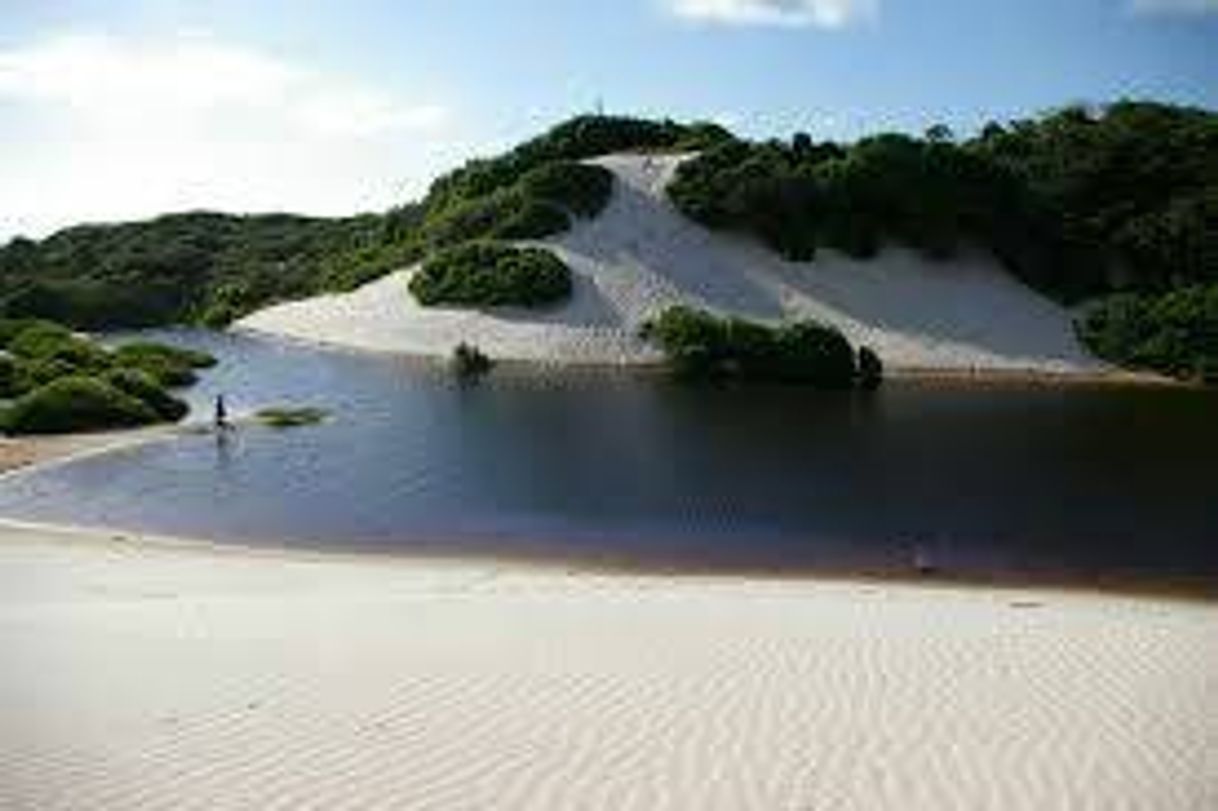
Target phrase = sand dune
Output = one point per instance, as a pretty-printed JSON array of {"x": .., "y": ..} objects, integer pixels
[
  {"x": 155, "y": 677},
  {"x": 641, "y": 255}
]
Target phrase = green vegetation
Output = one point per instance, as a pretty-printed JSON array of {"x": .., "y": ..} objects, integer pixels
[
  {"x": 1080, "y": 203},
  {"x": 575, "y": 140},
  {"x": 469, "y": 362},
  {"x": 198, "y": 267},
  {"x": 75, "y": 403},
  {"x": 871, "y": 369},
  {"x": 60, "y": 381},
  {"x": 213, "y": 268},
  {"x": 1174, "y": 333},
  {"x": 541, "y": 203},
  {"x": 145, "y": 388},
  {"x": 1077, "y": 203},
  {"x": 485, "y": 274},
  {"x": 169, "y": 365},
  {"x": 701, "y": 346},
  {"x": 289, "y": 417}
]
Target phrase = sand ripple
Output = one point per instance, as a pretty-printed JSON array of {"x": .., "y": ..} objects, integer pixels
[{"x": 143, "y": 678}]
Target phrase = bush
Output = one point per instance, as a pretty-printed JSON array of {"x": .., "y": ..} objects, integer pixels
[
  {"x": 10, "y": 377},
  {"x": 536, "y": 219},
  {"x": 1173, "y": 333},
  {"x": 147, "y": 390},
  {"x": 871, "y": 369},
  {"x": 169, "y": 365},
  {"x": 470, "y": 362},
  {"x": 10, "y": 328},
  {"x": 489, "y": 274},
  {"x": 76, "y": 403},
  {"x": 580, "y": 188},
  {"x": 288, "y": 417},
  {"x": 45, "y": 351},
  {"x": 700, "y": 345},
  {"x": 540, "y": 203}
]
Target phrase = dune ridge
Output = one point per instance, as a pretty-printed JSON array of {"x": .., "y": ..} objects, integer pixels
[
  {"x": 150, "y": 676},
  {"x": 641, "y": 255}
]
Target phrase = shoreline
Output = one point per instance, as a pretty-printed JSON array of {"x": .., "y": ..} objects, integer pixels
[
  {"x": 1196, "y": 590},
  {"x": 26, "y": 454},
  {"x": 912, "y": 375}
]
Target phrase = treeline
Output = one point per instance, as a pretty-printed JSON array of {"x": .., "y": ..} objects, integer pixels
[
  {"x": 1076, "y": 204},
  {"x": 195, "y": 267},
  {"x": 1079, "y": 204},
  {"x": 213, "y": 268}
]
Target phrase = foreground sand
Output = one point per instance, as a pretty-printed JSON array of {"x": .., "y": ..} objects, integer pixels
[
  {"x": 143, "y": 675},
  {"x": 641, "y": 256}
]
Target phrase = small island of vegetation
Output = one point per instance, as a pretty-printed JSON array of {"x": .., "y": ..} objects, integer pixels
[
  {"x": 291, "y": 416},
  {"x": 57, "y": 381},
  {"x": 470, "y": 363},
  {"x": 702, "y": 346}
]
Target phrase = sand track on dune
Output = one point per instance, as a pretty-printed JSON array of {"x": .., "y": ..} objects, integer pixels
[
  {"x": 641, "y": 256},
  {"x": 146, "y": 677}
]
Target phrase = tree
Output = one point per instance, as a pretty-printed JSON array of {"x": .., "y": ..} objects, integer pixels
[{"x": 940, "y": 134}]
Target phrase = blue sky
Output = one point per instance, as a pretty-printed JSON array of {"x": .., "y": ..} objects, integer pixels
[{"x": 124, "y": 108}]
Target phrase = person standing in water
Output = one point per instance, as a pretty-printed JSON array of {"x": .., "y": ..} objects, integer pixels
[{"x": 221, "y": 419}]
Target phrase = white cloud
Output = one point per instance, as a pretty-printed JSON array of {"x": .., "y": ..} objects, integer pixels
[
  {"x": 786, "y": 13},
  {"x": 99, "y": 127},
  {"x": 1174, "y": 6}
]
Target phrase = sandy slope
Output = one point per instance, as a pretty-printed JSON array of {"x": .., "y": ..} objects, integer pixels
[
  {"x": 640, "y": 255},
  {"x": 138, "y": 676}
]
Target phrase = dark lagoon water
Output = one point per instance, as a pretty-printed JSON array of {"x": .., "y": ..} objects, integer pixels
[{"x": 631, "y": 468}]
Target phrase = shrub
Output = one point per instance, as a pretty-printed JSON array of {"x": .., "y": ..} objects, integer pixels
[
  {"x": 470, "y": 362},
  {"x": 76, "y": 403},
  {"x": 290, "y": 417},
  {"x": 1173, "y": 333},
  {"x": 143, "y": 387},
  {"x": 492, "y": 274},
  {"x": 38, "y": 372},
  {"x": 580, "y": 188},
  {"x": 700, "y": 345},
  {"x": 10, "y": 377},
  {"x": 169, "y": 365},
  {"x": 46, "y": 350},
  {"x": 871, "y": 369},
  {"x": 536, "y": 219},
  {"x": 10, "y": 328}
]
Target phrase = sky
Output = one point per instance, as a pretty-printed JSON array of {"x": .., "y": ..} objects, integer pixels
[{"x": 122, "y": 109}]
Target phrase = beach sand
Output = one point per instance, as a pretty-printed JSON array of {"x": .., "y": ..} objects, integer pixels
[
  {"x": 18, "y": 453},
  {"x": 156, "y": 675}
]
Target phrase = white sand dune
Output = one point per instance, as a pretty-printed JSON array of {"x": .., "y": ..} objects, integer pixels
[
  {"x": 154, "y": 677},
  {"x": 641, "y": 255}
]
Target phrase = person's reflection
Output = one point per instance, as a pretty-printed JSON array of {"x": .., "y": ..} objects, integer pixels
[{"x": 226, "y": 447}]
